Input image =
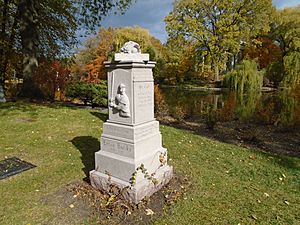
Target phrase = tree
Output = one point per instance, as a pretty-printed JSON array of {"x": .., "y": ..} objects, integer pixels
[
  {"x": 245, "y": 77},
  {"x": 89, "y": 60},
  {"x": 181, "y": 60},
  {"x": 36, "y": 29},
  {"x": 291, "y": 64},
  {"x": 265, "y": 51},
  {"x": 286, "y": 31},
  {"x": 95, "y": 67},
  {"x": 50, "y": 78},
  {"x": 218, "y": 27}
]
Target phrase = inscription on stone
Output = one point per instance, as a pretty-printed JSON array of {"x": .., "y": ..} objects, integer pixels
[
  {"x": 117, "y": 147},
  {"x": 144, "y": 95}
]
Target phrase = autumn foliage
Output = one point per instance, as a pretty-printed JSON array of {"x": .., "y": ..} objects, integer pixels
[
  {"x": 51, "y": 78},
  {"x": 95, "y": 69},
  {"x": 265, "y": 51}
]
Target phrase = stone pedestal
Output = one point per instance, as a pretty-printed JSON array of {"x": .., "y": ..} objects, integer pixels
[
  {"x": 2, "y": 97},
  {"x": 131, "y": 155}
]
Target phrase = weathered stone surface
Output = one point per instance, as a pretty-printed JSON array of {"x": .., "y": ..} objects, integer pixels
[
  {"x": 135, "y": 193},
  {"x": 123, "y": 167},
  {"x": 130, "y": 133},
  {"x": 131, "y": 57},
  {"x": 131, "y": 139},
  {"x": 139, "y": 90},
  {"x": 2, "y": 98}
]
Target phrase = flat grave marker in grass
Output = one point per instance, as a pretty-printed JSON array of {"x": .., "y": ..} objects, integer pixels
[{"x": 13, "y": 166}]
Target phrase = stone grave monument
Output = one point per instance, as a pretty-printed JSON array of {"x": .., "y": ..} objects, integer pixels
[
  {"x": 2, "y": 97},
  {"x": 131, "y": 155}
]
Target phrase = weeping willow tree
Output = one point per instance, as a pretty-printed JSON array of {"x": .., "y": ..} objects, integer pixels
[
  {"x": 291, "y": 64},
  {"x": 245, "y": 77},
  {"x": 289, "y": 103},
  {"x": 247, "y": 81}
]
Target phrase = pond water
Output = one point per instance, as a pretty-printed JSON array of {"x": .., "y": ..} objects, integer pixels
[{"x": 279, "y": 108}]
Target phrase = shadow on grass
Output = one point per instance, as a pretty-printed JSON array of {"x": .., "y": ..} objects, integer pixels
[
  {"x": 101, "y": 116},
  {"x": 87, "y": 145},
  {"x": 287, "y": 162},
  {"x": 9, "y": 107}
]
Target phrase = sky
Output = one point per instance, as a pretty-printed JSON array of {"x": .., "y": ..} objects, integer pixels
[{"x": 150, "y": 14}]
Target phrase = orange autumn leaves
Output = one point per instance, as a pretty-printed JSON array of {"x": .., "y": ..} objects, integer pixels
[{"x": 95, "y": 69}]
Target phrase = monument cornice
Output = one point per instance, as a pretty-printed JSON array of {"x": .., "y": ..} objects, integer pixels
[{"x": 129, "y": 64}]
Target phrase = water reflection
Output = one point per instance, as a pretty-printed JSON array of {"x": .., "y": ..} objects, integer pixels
[{"x": 279, "y": 108}]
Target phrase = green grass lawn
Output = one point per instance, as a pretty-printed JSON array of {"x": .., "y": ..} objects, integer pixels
[{"x": 230, "y": 184}]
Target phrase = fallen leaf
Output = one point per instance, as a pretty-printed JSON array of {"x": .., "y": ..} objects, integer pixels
[
  {"x": 254, "y": 217},
  {"x": 149, "y": 212},
  {"x": 286, "y": 202},
  {"x": 111, "y": 198}
]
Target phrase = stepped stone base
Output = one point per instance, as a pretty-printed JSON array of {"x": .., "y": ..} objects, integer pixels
[{"x": 133, "y": 193}]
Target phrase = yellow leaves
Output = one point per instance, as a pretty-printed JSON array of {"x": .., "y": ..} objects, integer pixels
[
  {"x": 286, "y": 202},
  {"x": 283, "y": 176},
  {"x": 110, "y": 200},
  {"x": 149, "y": 212}
]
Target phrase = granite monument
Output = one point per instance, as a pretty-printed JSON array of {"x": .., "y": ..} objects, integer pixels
[{"x": 131, "y": 155}]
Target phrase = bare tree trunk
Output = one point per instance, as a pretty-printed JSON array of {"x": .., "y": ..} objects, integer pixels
[
  {"x": 29, "y": 41},
  {"x": 3, "y": 39},
  {"x": 29, "y": 36}
]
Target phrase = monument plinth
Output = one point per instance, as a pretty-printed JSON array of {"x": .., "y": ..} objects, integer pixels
[{"x": 131, "y": 155}]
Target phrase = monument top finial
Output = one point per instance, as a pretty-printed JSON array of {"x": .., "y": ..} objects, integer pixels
[
  {"x": 131, "y": 47},
  {"x": 131, "y": 51}
]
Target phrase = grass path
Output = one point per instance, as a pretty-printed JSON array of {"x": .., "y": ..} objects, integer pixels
[{"x": 230, "y": 184}]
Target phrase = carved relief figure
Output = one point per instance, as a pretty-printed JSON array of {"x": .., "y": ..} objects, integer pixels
[
  {"x": 131, "y": 47},
  {"x": 121, "y": 102}
]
